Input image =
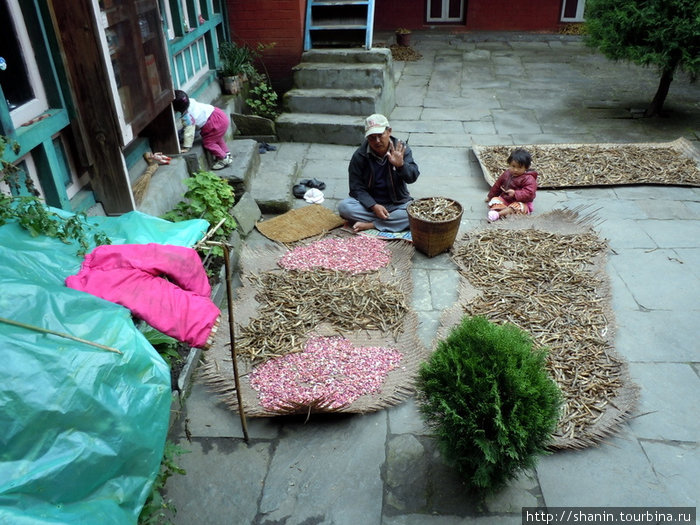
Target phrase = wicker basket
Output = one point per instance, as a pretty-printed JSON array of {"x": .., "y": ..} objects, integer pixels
[{"x": 433, "y": 237}]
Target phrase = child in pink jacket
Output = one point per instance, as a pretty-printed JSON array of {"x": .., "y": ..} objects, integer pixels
[{"x": 515, "y": 189}]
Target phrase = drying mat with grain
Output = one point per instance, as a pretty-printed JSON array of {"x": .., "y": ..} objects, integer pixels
[
  {"x": 546, "y": 275},
  {"x": 674, "y": 163},
  {"x": 300, "y": 223},
  {"x": 362, "y": 323}
]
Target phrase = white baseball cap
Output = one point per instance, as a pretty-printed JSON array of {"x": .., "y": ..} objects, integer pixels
[{"x": 375, "y": 124}]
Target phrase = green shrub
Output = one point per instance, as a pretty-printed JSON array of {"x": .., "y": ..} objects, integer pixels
[{"x": 486, "y": 395}]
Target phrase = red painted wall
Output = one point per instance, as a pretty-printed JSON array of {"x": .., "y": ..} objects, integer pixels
[
  {"x": 267, "y": 21},
  {"x": 482, "y": 15},
  {"x": 513, "y": 15}
]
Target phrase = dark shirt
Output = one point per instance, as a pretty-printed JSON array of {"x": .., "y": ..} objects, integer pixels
[{"x": 382, "y": 191}]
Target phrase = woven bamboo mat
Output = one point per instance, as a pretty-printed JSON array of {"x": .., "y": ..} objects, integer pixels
[
  {"x": 300, "y": 223},
  {"x": 580, "y": 165},
  {"x": 576, "y": 326},
  {"x": 217, "y": 372}
]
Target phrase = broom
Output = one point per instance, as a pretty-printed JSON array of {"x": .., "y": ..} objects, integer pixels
[{"x": 141, "y": 185}]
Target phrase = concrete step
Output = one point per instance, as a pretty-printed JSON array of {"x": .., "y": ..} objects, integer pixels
[
  {"x": 320, "y": 128},
  {"x": 334, "y": 75},
  {"x": 333, "y": 101},
  {"x": 271, "y": 187},
  {"x": 161, "y": 192},
  {"x": 354, "y": 55},
  {"x": 246, "y": 160}
]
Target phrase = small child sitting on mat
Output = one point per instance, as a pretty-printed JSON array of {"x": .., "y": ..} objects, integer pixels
[{"x": 515, "y": 189}]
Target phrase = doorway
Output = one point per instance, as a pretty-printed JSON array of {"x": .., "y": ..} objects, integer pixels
[{"x": 445, "y": 11}]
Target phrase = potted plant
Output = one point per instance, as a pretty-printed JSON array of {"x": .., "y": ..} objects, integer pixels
[
  {"x": 403, "y": 36},
  {"x": 236, "y": 66}
]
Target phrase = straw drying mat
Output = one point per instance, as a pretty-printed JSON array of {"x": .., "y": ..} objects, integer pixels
[
  {"x": 280, "y": 311},
  {"x": 299, "y": 224},
  {"x": 546, "y": 275},
  {"x": 575, "y": 165}
]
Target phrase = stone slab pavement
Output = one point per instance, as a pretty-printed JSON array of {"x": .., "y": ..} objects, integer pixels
[{"x": 383, "y": 468}]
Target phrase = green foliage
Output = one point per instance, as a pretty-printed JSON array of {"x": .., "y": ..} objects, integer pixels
[
  {"x": 209, "y": 197},
  {"x": 487, "y": 397},
  {"x": 236, "y": 59},
  {"x": 34, "y": 216},
  {"x": 660, "y": 33},
  {"x": 156, "y": 509},
  {"x": 263, "y": 101},
  {"x": 165, "y": 345}
]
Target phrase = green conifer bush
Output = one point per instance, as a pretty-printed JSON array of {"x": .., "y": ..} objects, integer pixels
[{"x": 486, "y": 395}]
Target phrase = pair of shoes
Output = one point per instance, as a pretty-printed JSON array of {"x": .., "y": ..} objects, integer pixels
[
  {"x": 219, "y": 164},
  {"x": 264, "y": 147},
  {"x": 313, "y": 183},
  {"x": 493, "y": 216}
]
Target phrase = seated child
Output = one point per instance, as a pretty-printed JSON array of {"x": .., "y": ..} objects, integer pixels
[
  {"x": 515, "y": 189},
  {"x": 212, "y": 123}
]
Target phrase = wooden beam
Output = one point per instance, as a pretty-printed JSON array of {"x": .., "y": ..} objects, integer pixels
[{"x": 99, "y": 129}]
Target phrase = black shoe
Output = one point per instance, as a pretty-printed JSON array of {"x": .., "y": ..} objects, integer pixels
[
  {"x": 268, "y": 147},
  {"x": 299, "y": 190},
  {"x": 261, "y": 148},
  {"x": 315, "y": 183}
]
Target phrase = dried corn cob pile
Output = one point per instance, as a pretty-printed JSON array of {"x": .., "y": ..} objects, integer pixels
[
  {"x": 598, "y": 164},
  {"x": 543, "y": 283}
]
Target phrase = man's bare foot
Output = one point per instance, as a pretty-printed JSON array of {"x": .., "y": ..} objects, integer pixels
[{"x": 362, "y": 226}]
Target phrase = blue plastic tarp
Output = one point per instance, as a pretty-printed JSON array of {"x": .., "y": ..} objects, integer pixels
[{"x": 82, "y": 429}]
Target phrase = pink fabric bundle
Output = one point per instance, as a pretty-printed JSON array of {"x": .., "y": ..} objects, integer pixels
[{"x": 164, "y": 285}]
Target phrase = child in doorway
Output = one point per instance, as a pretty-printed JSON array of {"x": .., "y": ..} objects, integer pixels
[
  {"x": 212, "y": 123},
  {"x": 515, "y": 189}
]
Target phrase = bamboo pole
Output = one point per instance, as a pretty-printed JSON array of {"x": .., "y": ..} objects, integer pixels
[
  {"x": 59, "y": 334},
  {"x": 234, "y": 358}
]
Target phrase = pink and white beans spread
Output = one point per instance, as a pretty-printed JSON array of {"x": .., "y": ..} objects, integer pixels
[
  {"x": 331, "y": 369},
  {"x": 354, "y": 254}
]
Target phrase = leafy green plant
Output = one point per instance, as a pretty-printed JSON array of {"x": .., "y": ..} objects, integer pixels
[
  {"x": 33, "y": 215},
  {"x": 263, "y": 101},
  {"x": 486, "y": 395},
  {"x": 157, "y": 509},
  {"x": 236, "y": 59},
  {"x": 165, "y": 345},
  {"x": 211, "y": 198}
]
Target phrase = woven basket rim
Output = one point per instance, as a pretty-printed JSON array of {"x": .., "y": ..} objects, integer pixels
[{"x": 412, "y": 216}]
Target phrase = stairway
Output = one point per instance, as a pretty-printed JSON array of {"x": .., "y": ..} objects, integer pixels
[{"x": 334, "y": 90}]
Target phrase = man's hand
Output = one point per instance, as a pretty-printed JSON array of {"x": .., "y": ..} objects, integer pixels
[
  {"x": 380, "y": 211},
  {"x": 396, "y": 153}
]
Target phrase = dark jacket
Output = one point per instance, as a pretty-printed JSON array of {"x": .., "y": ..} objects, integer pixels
[{"x": 361, "y": 176}]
